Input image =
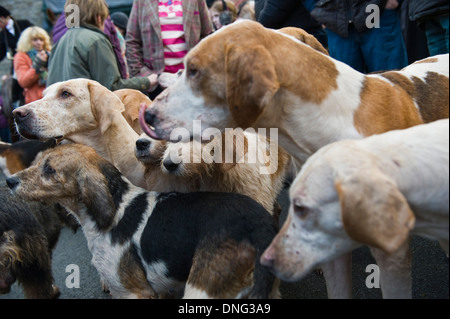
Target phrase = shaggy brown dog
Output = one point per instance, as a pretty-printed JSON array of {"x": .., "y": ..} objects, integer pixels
[{"x": 28, "y": 234}]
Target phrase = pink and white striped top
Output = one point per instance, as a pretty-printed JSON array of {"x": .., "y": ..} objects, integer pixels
[{"x": 172, "y": 30}]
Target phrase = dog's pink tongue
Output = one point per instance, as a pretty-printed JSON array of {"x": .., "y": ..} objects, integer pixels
[{"x": 145, "y": 127}]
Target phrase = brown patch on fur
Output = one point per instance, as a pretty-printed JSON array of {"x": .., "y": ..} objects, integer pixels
[
  {"x": 374, "y": 212},
  {"x": 133, "y": 277},
  {"x": 13, "y": 161},
  {"x": 247, "y": 61},
  {"x": 305, "y": 37},
  {"x": 383, "y": 108},
  {"x": 399, "y": 79},
  {"x": 430, "y": 60},
  {"x": 319, "y": 71},
  {"x": 431, "y": 95},
  {"x": 228, "y": 267}
]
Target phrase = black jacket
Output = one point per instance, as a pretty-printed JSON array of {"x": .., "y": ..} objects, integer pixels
[
  {"x": 11, "y": 40},
  {"x": 419, "y": 9},
  {"x": 276, "y": 14},
  {"x": 337, "y": 14}
]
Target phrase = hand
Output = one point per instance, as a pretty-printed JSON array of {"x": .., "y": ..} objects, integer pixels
[
  {"x": 153, "y": 78},
  {"x": 168, "y": 79},
  {"x": 391, "y": 5}
]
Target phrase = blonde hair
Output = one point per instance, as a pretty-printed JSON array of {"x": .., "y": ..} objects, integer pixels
[
  {"x": 89, "y": 10},
  {"x": 24, "y": 44}
]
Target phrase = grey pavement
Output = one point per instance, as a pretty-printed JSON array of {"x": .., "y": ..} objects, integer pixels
[{"x": 430, "y": 270}]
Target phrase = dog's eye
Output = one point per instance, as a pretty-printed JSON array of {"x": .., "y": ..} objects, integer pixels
[
  {"x": 191, "y": 71},
  {"x": 65, "y": 94},
  {"x": 48, "y": 170},
  {"x": 300, "y": 210}
]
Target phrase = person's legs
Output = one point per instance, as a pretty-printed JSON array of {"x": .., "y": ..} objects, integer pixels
[
  {"x": 384, "y": 47},
  {"x": 437, "y": 30},
  {"x": 346, "y": 50}
]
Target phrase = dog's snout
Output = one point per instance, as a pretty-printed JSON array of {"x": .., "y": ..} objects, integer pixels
[
  {"x": 20, "y": 114},
  {"x": 268, "y": 259},
  {"x": 170, "y": 165},
  {"x": 12, "y": 182},
  {"x": 142, "y": 144},
  {"x": 149, "y": 117}
]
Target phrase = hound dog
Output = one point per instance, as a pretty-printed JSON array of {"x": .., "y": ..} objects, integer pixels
[
  {"x": 175, "y": 169},
  {"x": 83, "y": 111},
  {"x": 28, "y": 233},
  {"x": 251, "y": 153},
  {"x": 310, "y": 97},
  {"x": 132, "y": 99},
  {"x": 146, "y": 243},
  {"x": 17, "y": 156},
  {"x": 374, "y": 191}
]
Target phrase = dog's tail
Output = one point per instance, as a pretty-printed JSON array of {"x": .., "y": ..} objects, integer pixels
[{"x": 265, "y": 285}]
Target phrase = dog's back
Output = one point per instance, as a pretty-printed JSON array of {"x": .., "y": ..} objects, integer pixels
[
  {"x": 427, "y": 82},
  {"x": 419, "y": 158},
  {"x": 414, "y": 161},
  {"x": 18, "y": 156},
  {"x": 193, "y": 225}
]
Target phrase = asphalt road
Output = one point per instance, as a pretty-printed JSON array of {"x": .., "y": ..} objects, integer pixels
[{"x": 430, "y": 271}]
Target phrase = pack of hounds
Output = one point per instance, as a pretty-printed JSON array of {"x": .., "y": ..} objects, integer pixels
[{"x": 368, "y": 155}]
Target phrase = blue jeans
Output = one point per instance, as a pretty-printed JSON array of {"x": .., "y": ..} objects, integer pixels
[
  {"x": 436, "y": 30},
  {"x": 377, "y": 49}
]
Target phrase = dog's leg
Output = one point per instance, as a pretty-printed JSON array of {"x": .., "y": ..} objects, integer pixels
[
  {"x": 395, "y": 272},
  {"x": 338, "y": 276},
  {"x": 38, "y": 283},
  {"x": 221, "y": 270}
]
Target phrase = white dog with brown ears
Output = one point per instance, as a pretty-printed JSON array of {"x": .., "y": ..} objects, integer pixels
[{"x": 376, "y": 192}]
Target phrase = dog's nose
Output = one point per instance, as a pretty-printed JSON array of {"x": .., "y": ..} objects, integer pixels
[
  {"x": 267, "y": 259},
  {"x": 12, "y": 182},
  {"x": 149, "y": 117},
  {"x": 170, "y": 165},
  {"x": 20, "y": 114},
  {"x": 142, "y": 144}
]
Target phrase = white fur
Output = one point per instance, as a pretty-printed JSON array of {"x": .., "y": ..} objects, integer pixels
[{"x": 4, "y": 168}]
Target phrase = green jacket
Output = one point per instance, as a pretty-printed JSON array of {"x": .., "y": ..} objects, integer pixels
[{"x": 86, "y": 52}]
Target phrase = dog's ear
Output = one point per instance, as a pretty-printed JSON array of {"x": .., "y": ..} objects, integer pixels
[
  {"x": 4, "y": 146},
  {"x": 305, "y": 37},
  {"x": 96, "y": 195},
  {"x": 251, "y": 82},
  {"x": 374, "y": 211},
  {"x": 105, "y": 105},
  {"x": 132, "y": 100}
]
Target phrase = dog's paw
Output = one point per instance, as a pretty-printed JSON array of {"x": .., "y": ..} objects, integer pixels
[{"x": 56, "y": 292}]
